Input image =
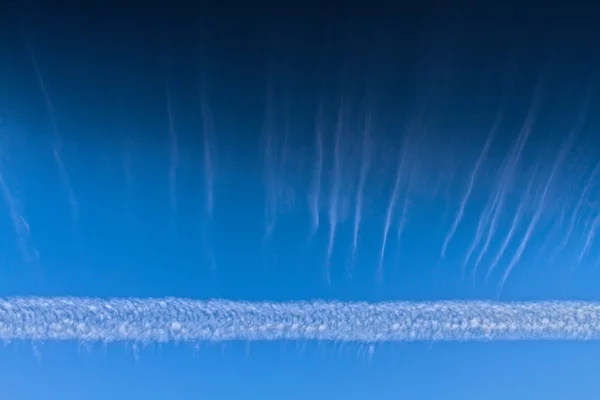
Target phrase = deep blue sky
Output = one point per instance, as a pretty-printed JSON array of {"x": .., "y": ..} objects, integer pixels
[{"x": 435, "y": 74}]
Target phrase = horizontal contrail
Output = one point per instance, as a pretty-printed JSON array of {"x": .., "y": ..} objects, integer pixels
[{"x": 173, "y": 319}]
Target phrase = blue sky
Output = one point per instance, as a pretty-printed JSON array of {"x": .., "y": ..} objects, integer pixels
[{"x": 165, "y": 158}]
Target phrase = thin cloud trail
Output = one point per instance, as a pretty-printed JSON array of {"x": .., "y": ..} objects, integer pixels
[
  {"x": 579, "y": 125},
  {"x": 495, "y": 205},
  {"x": 541, "y": 207},
  {"x": 575, "y": 214},
  {"x": 315, "y": 188},
  {"x": 20, "y": 225},
  {"x": 129, "y": 179},
  {"x": 467, "y": 195},
  {"x": 364, "y": 170},
  {"x": 486, "y": 214},
  {"x": 336, "y": 183},
  {"x": 279, "y": 196},
  {"x": 208, "y": 135},
  {"x": 500, "y": 200},
  {"x": 484, "y": 218},
  {"x": 508, "y": 177},
  {"x": 271, "y": 179},
  {"x": 57, "y": 148},
  {"x": 173, "y": 157},
  {"x": 173, "y": 143},
  {"x": 389, "y": 214},
  {"x": 589, "y": 238},
  {"x": 514, "y": 225},
  {"x": 283, "y": 157},
  {"x": 404, "y": 216},
  {"x": 183, "y": 320},
  {"x": 209, "y": 179}
]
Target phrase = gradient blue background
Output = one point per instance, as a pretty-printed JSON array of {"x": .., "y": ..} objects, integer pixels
[{"x": 103, "y": 73}]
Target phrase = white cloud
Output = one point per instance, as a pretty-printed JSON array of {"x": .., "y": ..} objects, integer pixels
[{"x": 173, "y": 319}]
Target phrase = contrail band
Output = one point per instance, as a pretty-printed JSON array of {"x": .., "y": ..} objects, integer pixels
[{"x": 173, "y": 319}]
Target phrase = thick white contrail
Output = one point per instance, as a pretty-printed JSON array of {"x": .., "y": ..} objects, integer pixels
[{"x": 172, "y": 319}]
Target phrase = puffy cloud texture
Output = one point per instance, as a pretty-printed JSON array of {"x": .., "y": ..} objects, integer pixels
[{"x": 173, "y": 319}]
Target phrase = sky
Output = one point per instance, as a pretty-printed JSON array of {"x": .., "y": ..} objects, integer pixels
[{"x": 283, "y": 154}]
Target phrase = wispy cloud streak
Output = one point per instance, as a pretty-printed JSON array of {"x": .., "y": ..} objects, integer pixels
[{"x": 172, "y": 319}]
